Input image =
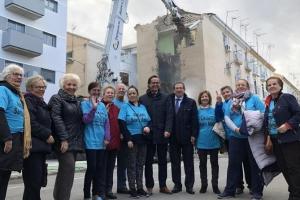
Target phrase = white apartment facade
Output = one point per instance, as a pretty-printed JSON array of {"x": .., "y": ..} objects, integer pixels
[{"x": 33, "y": 35}]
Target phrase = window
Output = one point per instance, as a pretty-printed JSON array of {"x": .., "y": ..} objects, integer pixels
[
  {"x": 8, "y": 62},
  {"x": 51, "y": 5},
  {"x": 48, "y": 75},
  {"x": 49, "y": 39},
  {"x": 124, "y": 78},
  {"x": 16, "y": 26},
  {"x": 31, "y": 70}
]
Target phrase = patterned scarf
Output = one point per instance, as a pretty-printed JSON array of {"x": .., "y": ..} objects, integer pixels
[{"x": 238, "y": 99}]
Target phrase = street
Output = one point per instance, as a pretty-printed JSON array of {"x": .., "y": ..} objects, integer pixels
[{"x": 277, "y": 190}]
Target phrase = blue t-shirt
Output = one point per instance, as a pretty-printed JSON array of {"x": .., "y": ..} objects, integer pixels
[
  {"x": 252, "y": 103},
  {"x": 119, "y": 103},
  {"x": 94, "y": 132},
  {"x": 136, "y": 117},
  {"x": 14, "y": 111},
  {"x": 207, "y": 139},
  {"x": 226, "y": 106},
  {"x": 271, "y": 120}
]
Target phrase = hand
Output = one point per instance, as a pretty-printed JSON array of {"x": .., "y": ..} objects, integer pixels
[
  {"x": 130, "y": 144},
  {"x": 64, "y": 146},
  {"x": 95, "y": 101},
  {"x": 121, "y": 136},
  {"x": 283, "y": 128},
  {"x": 106, "y": 142},
  {"x": 219, "y": 97},
  {"x": 268, "y": 146},
  {"x": 146, "y": 130},
  {"x": 237, "y": 130},
  {"x": 50, "y": 140},
  {"x": 193, "y": 140},
  {"x": 8, "y": 146},
  {"x": 167, "y": 134}
]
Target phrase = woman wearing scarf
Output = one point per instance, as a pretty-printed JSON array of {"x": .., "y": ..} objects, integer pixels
[
  {"x": 282, "y": 118},
  {"x": 239, "y": 149},
  {"x": 208, "y": 143},
  {"x": 66, "y": 115},
  {"x": 114, "y": 145},
  {"x": 15, "y": 133},
  {"x": 35, "y": 167}
]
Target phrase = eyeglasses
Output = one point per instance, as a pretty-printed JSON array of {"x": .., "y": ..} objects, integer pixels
[
  {"x": 17, "y": 74},
  {"x": 40, "y": 87}
]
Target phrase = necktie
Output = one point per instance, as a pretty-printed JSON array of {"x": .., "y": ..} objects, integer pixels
[{"x": 177, "y": 105}]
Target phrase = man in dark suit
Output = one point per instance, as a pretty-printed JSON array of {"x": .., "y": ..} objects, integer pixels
[
  {"x": 183, "y": 135},
  {"x": 161, "y": 126}
]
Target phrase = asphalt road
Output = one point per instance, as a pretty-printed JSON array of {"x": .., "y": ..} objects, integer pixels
[{"x": 277, "y": 190}]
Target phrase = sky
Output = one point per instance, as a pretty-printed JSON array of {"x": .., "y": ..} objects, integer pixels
[{"x": 276, "y": 21}]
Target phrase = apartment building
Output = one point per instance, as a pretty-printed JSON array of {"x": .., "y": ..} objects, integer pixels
[{"x": 33, "y": 35}]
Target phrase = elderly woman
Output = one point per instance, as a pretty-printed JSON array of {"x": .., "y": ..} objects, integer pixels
[
  {"x": 15, "y": 133},
  {"x": 134, "y": 120},
  {"x": 96, "y": 137},
  {"x": 35, "y": 168},
  {"x": 66, "y": 115},
  {"x": 114, "y": 145},
  {"x": 239, "y": 149},
  {"x": 282, "y": 118}
]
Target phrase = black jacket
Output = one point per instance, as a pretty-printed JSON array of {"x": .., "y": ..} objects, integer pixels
[
  {"x": 185, "y": 121},
  {"x": 286, "y": 110},
  {"x": 66, "y": 115},
  {"x": 40, "y": 121},
  {"x": 161, "y": 115}
]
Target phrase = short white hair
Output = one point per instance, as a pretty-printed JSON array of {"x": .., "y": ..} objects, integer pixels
[
  {"x": 9, "y": 69},
  {"x": 32, "y": 80},
  {"x": 68, "y": 77}
]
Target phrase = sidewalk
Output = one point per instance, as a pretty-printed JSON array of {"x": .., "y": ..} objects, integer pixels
[{"x": 52, "y": 168}]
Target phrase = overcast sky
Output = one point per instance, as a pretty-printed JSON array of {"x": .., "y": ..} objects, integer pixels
[{"x": 276, "y": 20}]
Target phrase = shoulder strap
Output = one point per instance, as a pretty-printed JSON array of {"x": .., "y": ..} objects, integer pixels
[{"x": 135, "y": 114}]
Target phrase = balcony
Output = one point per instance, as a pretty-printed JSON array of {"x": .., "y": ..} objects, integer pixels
[
  {"x": 32, "y": 9},
  {"x": 255, "y": 70},
  {"x": 21, "y": 43},
  {"x": 238, "y": 57}
]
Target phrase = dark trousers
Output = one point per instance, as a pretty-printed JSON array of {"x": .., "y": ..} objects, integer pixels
[
  {"x": 122, "y": 166},
  {"x": 135, "y": 166},
  {"x": 238, "y": 151},
  {"x": 111, "y": 156},
  {"x": 161, "y": 150},
  {"x": 213, "y": 154},
  {"x": 33, "y": 175},
  {"x": 95, "y": 173},
  {"x": 288, "y": 160},
  {"x": 65, "y": 176},
  {"x": 247, "y": 171},
  {"x": 187, "y": 151},
  {"x": 4, "y": 179}
]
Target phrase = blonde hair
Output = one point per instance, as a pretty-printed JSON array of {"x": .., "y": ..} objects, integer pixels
[
  {"x": 32, "y": 80},
  {"x": 9, "y": 69},
  {"x": 108, "y": 87},
  {"x": 68, "y": 77}
]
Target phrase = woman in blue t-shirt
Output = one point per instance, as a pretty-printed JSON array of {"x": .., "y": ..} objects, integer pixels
[
  {"x": 134, "y": 123},
  {"x": 96, "y": 137},
  {"x": 243, "y": 99},
  {"x": 208, "y": 143}
]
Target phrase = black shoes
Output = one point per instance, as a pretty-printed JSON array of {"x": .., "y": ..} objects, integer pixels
[
  {"x": 123, "y": 191},
  {"x": 142, "y": 192},
  {"x": 133, "y": 194},
  {"x": 225, "y": 195},
  {"x": 176, "y": 189},
  {"x": 239, "y": 191},
  {"x": 110, "y": 195},
  {"x": 203, "y": 189},
  {"x": 216, "y": 189},
  {"x": 190, "y": 191}
]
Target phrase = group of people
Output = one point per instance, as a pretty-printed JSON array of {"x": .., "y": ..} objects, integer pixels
[{"x": 109, "y": 129}]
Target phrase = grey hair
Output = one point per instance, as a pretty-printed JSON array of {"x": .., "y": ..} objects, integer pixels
[
  {"x": 9, "y": 69},
  {"x": 67, "y": 77},
  {"x": 32, "y": 80}
]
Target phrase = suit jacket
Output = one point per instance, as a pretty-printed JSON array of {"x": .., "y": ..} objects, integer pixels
[{"x": 185, "y": 121}]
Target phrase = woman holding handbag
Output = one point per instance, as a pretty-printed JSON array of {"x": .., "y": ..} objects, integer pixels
[
  {"x": 282, "y": 118},
  {"x": 134, "y": 120}
]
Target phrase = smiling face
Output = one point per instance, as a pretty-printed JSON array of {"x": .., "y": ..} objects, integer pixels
[
  {"x": 154, "y": 85},
  {"x": 38, "y": 88},
  {"x": 242, "y": 86},
  {"x": 95, "y": 92},
  {"x": 179, "y": 90},
  {"x": 70, "y": 86},
  {"x": 15, "y": 78},
  {"x": 120, "y": 90},
  {"x": 273, "y": 87},
  {"x": 204, "y": 99},
  {"x": 226, "y": 93},
  {"x": 132, "y": 95},
  {"x": 109, "y": 95}
]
